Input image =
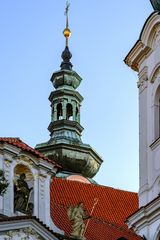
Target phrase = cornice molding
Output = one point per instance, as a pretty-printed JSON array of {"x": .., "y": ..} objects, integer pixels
[
  {"x": 145, "y": 215},
  {"x": 145, "y": 44},
  {"x": 138, "y": 53}
]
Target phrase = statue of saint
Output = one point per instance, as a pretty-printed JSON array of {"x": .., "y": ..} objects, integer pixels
[
  {"x": 77, "y": 215},
  {"x": 21, "y": 194}
]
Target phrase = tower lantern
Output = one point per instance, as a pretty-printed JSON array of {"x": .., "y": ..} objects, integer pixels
[{"x": 65, "y": 146}]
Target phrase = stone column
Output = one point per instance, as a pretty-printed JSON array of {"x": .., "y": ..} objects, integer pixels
[
  {"x": 143, "y": 134},
  {"x": 52, "y": 115},
  {"x": 8, "y": 199},
  {"x": 47, "y": 200},
  {"x": 78, "y": 114},
  {"x": 64, "y": 105},
  {"x": 1, "y": 198},
  {"x": 36, "y": 190},
  {"x": 55, "y": 113},
  {"x": 41, "y": 197},
  {"x": 74, "y": 111}
]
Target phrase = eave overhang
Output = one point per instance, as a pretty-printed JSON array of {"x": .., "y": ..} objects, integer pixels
[
  {"x": 144, "y": 215},
  {"x": 143, "y": 47},
  {"x": 137, "y": 54},
  {"x": 31, "y": 222}
]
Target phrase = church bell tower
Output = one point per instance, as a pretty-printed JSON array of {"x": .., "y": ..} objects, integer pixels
[{"x": 65, "y": 146}]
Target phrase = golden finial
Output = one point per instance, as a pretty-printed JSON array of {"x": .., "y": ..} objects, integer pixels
[{"x": 67, "y": 32}]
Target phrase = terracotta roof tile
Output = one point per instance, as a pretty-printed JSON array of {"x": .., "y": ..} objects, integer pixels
[
  {"x": 18, "y": 143},
  {"x": 109, "y": 215}
]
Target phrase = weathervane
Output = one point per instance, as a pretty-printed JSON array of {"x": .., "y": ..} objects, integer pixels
[
  {"x": 67, "y": 32},
  {"x": 66, "y": 12}
]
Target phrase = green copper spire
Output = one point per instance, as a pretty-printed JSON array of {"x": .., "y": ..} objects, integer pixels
[
  {"x": 65, "y": 145},
  {"x": 66, "y": 54},
  {"x": 67, "y": 32}
]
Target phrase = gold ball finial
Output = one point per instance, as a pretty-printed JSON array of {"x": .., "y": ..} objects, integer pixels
[{"x": 67, "y": 32}]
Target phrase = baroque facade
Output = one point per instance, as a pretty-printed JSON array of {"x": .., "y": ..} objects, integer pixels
[{"x": 144, "y": 58}]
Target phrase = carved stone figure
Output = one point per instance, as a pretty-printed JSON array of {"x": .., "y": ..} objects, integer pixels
[
  {"x": 77, "y": 215},
  {"x": 3, "y": 183},
  {"x": 21, "y": 234},
  {"x": 22, "y": 195}
]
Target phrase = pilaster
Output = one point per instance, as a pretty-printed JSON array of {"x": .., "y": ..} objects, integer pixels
[
  {"x": 9, "y": 195},
  {"x": 1, "y": 198},
  {"x": 144, "y": 58}
]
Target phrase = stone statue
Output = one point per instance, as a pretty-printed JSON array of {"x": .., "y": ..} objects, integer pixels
[
  {"x": 22, "y": 195},
  {"x": 3, "y": 183},
  {"x": 77, "y": 215}
]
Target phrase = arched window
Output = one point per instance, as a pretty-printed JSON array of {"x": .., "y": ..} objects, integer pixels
[
  {"x": 59, "y": 111},
  {"x": 23, "y": 190},
  {"x": 69, "y": 112},
  {"x": 157, "y": 114}
]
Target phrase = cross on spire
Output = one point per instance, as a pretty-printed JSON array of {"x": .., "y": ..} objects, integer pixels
[
  {"x": 67, "y": 8},
  {"x": 67, "y": 31},
  {"x": 66, "y": 13},
  {"x": 66, "y": 54}
]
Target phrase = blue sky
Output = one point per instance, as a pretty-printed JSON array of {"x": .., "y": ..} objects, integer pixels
[{"x": 102, "y": 34}]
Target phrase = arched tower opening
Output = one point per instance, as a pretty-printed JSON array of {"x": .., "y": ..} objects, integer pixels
[
  {"x": 59, "y": 111},
  {"x": 69, "y": 112}
]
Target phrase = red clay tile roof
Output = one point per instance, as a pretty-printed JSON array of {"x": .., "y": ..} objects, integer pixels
[
  {"x": 109, "y": 215},
  {"x": 18, "y": 143}
]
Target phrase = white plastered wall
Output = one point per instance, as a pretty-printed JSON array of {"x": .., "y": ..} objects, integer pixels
[
  {"x": 42, "y": 172},
  {"x": 145, "y": 55},
  {"x": 149, "y": 76}
]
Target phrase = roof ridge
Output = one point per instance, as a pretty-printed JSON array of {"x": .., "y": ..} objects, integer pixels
[
  {"x": 33, "y": 218},
  {"x": 116, "y": 225},
  {"x": 98, "y": 185},
  {"x": 16, "y": 141},
  {"x": 10, "y": 138},
  {"x": 119, "y": 226}
]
